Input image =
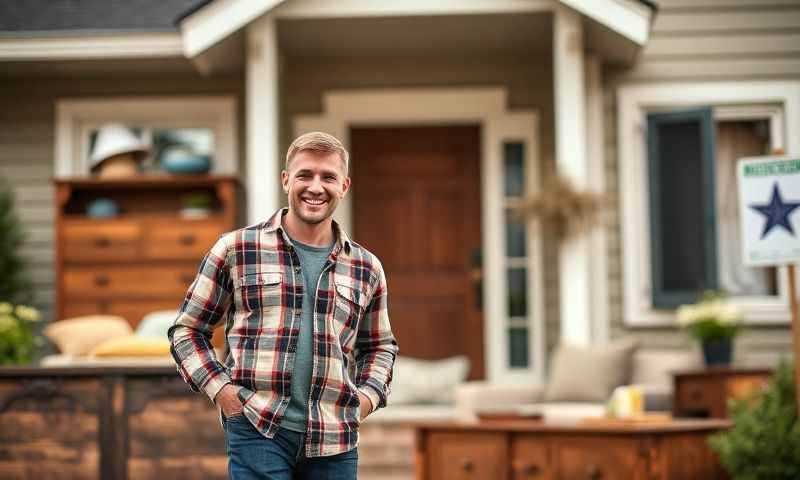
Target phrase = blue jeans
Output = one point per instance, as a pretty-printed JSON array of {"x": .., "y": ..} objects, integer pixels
[{"x": 254, "y": 456}]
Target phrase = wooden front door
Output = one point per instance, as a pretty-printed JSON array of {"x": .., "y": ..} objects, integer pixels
[{"x": 416, "y": 205}]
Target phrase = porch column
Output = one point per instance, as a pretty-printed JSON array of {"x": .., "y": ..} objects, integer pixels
[
  {"x": 262, "y": 184},
  {"x": 575, "y": 280}
]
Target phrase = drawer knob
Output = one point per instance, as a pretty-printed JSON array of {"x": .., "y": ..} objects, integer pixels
[
  {"x": 102, "y": 242},
  {"x": 466, "y": 464},
  {"x": 527, "y": 469},
  {"x": 101, "y": 280},
  {"x": 187, "y": 239},
  {"x": 187, "y": 278},
  {"x": 593, "y": 472}
]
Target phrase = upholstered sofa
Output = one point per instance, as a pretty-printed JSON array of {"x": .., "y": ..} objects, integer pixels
[{"x": 649, "y": 369}]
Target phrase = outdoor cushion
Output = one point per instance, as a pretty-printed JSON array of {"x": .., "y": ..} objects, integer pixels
[
  {"x": 156, "y": 324},
  {"x": 589, "y": 374},
  {"x": 79, "y": 335},
  {"x": 132, "y": 346},
  {"x": 426, "y": 381}
]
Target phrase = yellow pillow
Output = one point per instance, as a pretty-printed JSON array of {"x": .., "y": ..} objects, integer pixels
[
  {"x": 79, "y": 335},
  {"x": 132, "y": 346}
]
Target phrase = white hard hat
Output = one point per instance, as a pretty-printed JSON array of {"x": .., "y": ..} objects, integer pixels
[{"x": 114, "y": 139}]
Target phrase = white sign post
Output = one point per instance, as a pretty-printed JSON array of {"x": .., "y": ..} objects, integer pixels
[{"x": 769, "y": 207}]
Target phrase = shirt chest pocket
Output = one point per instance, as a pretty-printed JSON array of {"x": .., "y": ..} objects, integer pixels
[
  {"x": 259, "y": 291},
  {"x": 350, "y": 306}
]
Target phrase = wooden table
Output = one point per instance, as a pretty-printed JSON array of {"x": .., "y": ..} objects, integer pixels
[
  {"x": 523, "y": 450},
  {"x": 106, "y": 423},
  {"x": 705, "y": 393}
]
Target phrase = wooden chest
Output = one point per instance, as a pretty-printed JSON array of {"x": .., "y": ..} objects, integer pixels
[
  {"x": 143, "y": 259},
  {"x": 675, "y": 450}
]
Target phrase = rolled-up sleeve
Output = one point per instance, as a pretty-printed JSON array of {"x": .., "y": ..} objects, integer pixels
[
  {"x": 205, "y": 306},
  {"x": 376, "y": 347}
]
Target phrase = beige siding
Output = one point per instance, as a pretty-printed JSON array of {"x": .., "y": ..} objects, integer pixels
[
  {"x": 27, "y": 133},
  {"x": 703, "y": 40},
  {"x": 528, "y": 80}
]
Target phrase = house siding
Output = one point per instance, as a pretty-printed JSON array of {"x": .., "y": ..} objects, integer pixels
[
  {"x": 27, "y": 144},
  {"x": 695, "y": 41},
  {"x": 529, "y": 81}
]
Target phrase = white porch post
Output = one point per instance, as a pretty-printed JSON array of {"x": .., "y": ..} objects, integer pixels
[
  {"x": 572, "y": 162},
  {"x": 262, "y": 183}
]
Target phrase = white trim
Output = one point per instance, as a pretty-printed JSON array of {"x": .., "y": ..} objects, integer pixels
[
  {"x": 633, "y": 103},
  {"x": 487, "y": 107},
  {"x": 127, "y": 45},
  {"x": 628, "y": 18},
  {"x": 263, "y": 160},
  {"x": 215, "y": 21},
  {"x": 598, "y": 253},
  {"x": 371, "y": 8},
  {"x": 75, "y": 117},
  {"x": 574, "y": 255}
]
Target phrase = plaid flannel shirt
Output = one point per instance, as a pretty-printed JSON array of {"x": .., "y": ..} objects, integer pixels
[{"x": 251, "y": 281}]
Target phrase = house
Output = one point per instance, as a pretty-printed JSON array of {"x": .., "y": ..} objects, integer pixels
[{"x": 453, "y": 111}]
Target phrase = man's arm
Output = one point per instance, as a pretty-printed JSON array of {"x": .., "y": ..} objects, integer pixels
[
  {"x": 376, "y": 347},
  {"x": 204, "y": 307}
]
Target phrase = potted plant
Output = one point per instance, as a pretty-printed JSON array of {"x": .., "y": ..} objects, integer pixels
[
  {"x": 18, "y": 341},
  {"x": 196, "y": 205},
  {"x": 764, "y": 443},
  {"x": 714, "y": 322}
]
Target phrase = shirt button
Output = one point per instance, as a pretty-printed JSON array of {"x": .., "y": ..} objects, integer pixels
[{"x": 297, "y": 269}]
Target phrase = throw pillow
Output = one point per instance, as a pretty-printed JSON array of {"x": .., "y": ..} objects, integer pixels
[
  {"x": 589, "y": 374},
  {"x": 132, "y": 346},
  {"x": 79, "y": 335},
  {"x": 427, "y": 381},
  {"x": 156, "y": 324}
]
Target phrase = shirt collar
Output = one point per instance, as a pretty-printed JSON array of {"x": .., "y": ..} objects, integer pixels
[{"x": 275, "y": 222}]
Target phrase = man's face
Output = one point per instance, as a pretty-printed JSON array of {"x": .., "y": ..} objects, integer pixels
[{"x": 315, "y": 183}]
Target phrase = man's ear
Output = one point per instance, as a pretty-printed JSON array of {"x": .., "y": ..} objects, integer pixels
[
  {"x": 345, "y": 186},
  {"x": 285, "y": 181}
]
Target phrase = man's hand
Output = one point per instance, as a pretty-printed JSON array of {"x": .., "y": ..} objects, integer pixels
[
  {"x": 365, "y": 405},
  {"x": 228, "y": 400}
]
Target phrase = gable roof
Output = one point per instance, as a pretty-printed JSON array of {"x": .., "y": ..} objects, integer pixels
[{"x": 79, "y": 17}]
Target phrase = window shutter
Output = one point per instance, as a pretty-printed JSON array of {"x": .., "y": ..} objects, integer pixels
[{"x": 683, "y": 239}]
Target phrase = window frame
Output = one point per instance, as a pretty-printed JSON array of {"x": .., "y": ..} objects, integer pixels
[
  {"x": 76, "y": 118},
  {"x": 777, "y": 101}
]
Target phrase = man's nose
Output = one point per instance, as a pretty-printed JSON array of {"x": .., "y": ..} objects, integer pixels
[{"x": 316, "y": 185}]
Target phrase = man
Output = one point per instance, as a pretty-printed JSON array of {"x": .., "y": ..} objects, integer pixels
[{"x": 310, "y": 347}]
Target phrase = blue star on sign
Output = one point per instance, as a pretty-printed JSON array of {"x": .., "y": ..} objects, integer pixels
[{"x": 777, "y": 212}]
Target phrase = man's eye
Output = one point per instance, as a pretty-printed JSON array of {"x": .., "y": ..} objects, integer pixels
[{"x": 330, "y": 177}]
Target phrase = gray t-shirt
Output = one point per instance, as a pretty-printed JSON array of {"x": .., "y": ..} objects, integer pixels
[{"x": 312, "y": 261}]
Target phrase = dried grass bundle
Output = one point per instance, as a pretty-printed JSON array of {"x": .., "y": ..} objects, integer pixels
[{"x": 564, "y": 210}]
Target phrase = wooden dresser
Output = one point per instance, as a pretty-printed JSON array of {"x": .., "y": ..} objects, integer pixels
[
  {"x": 705, "y": 393},
  {"x": 531, "y": 450},
  {"x": 144, "y": 258}
]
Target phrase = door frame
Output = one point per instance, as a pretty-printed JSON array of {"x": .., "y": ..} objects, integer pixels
[{"x": 487, "y": 107}]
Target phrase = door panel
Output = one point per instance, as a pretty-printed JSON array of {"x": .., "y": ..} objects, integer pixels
[{"x": 416, "y": 205}]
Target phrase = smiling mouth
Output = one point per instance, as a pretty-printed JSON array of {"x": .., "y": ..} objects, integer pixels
[{"x": 313, "y": 202}]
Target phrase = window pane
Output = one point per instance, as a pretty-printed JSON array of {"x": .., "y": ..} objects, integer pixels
[
  {"x": 517, "y": 292},
  {"x": 514, "y": 169},
  {"x": 737, "y": 139},
  {"x": 518, "y": 347},
  {"x": 515, "y": 235}
]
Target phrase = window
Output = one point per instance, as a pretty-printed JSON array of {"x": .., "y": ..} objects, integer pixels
[
  {"x": 678, "y": 147},
  {"x": 517, "y": 270},
  {"x": 204, "y": 125}
]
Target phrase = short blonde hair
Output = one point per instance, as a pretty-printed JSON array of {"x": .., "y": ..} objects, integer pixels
[{"x": 318, "y": 142}]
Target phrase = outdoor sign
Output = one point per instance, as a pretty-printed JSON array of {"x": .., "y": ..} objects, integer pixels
[{"x": 769, "y": 206}]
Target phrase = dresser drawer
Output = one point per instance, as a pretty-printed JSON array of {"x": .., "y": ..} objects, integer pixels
[
  {"x": 608, "y": 459},
  {"x": 128, "y": 282},
  {"x": 100, "y": 240},
  {"x": 694, "y": 394},
  {"x": 131, "y": 310},
  {"x": 181, "y": 240},
  {"x": 530, "y": 458},
  {"x": 455, "y": 456}
]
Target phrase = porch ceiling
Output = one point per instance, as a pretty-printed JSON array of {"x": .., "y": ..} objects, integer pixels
[{"x": 410, "y": 36}]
